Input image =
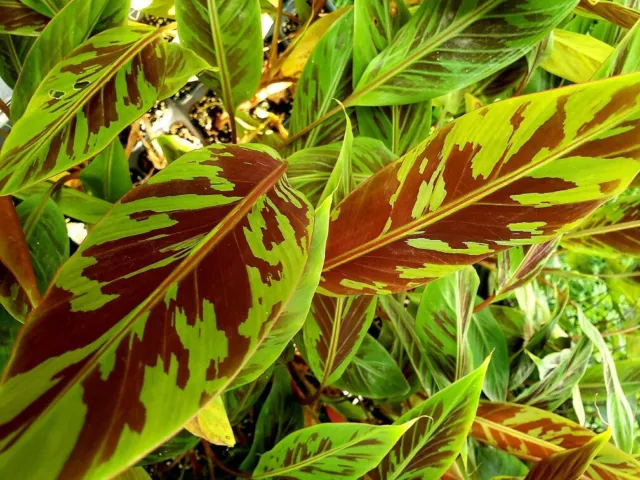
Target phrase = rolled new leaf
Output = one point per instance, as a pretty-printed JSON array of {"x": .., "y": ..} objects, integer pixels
[
  {"x": 88, "y": 98},
  {"x": 517, "y": 172},
  {"x": 178, "y": 292}
]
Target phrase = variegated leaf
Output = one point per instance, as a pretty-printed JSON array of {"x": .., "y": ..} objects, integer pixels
[
  {"x": 432, "y": 444},
  {"x": 18, "y": 19},
  {"x": 228, "y": 35},
  {"x": 66, "y": 31},
  {"x": 517, "y": 172},
  {"x": 337, "y": 450},
  {"x": 310, "y": 168},
  {"x": 50, "y": 8},
  {"x": 333, "y": 332},
  {"x": 611, "y": 231},
  {"x": 88, "y": 98},
  {"x": 18, "y": 287},
  {"x": 570, "y": 464},
  {"x": 620, "y": 14},
  {"x": 533, "y": 434},
  {"x": 150, "y": 285}
]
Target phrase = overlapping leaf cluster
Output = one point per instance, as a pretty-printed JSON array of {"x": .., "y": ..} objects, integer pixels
[{"x": 433, "y": 274}]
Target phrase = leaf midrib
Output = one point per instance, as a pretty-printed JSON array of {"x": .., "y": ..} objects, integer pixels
[
  {"x": 468, "y": 199},
  {"x": 426, "y": 48},
  {"x": 221, "y": 56},
  {"x": 602, "y": 230}
]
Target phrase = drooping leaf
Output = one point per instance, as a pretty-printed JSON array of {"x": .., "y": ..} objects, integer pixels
[
  {"x": 18, "y": 286},
  {"x": 311, "y": 168},
  {"x": 212, "y": 424},
  {"x": 518, "y": 266},
  {"x": 443, "y": 321},
  {"x": 72, "y": 202},
  {"x": 107, "y": 176},
  {"x": 373, "y": 373},
  {"x": 220, "y": 209},
  {"x": 228, "y": 35},
  {"x": 570, "y": 464},
  {"x": 333, "y": 332},
  {"x": 615, "y": 12},
  {"x": 84, "y": 102},
  {"x": 406, "y": 330},
  {"x": 444, "y": 47},
  {"x": 574, "y": 56},
  {"x": 18, "y": 19},
  {"x": 326, "y": 76},
  {"x": 611, "y": 231},
  {"x": 618, "y": 409},
  {"x": 13, "y": 50},
  {"x": 517, "y": 172},
  {"x": 625, "y": 58},
  {"x": 593, "y": 385},
  {"x": 533, "y": 434},
  {"x": 280, "y": 415},
  {"x": 337, "y": 450},
  {"x": 65, "y": 32},
  {"x": 555, "y": 388},
  {"x": 432, "y": 444},
  {"x": 46, "y": 234},
  {"x": 486, "y": 339}
]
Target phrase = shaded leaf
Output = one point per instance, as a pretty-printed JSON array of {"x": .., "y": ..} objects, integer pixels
[
  {"x": 18, "y": 19},
  {"x": 84, "y": 102},
  {"x": 240, "y": 400},
  {"x": 9, "y": 327},
  {"x": 107, "y": 176},
  {"x": 13, "y": 50},
  {"x": 490, "y": 462},
  {"x": 50, "y": 8},
  {"x": 593, "y": 385},
  {"x": 373, "y": 373},
  {"x": 65, "y": 32},
  {"x": 533, "y": 434},
  {"x": 333, "y": 332},
  {"x": 180, "y": 443},
  {"x": 517, "y": 172},
  {"x": 228, "y": 35},
  {"x": 337, "y": 450},
  {"x": 220, "y": 209}
]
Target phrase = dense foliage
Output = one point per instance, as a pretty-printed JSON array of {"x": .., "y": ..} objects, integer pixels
[{"x": 427, "y": 266}]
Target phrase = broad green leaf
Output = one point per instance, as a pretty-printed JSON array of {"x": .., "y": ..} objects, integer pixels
[
  {"x": 555, "y": 388},
  {"x": 212, "y": 424},
  {"x": 280, "y": 415},
  {"x": 65, "y": 32},
  {"x": 173, "y": 146},
  {"x": 445, "y": 47},
  {"x": 432, "y": 444},
  {"x": 9, "y": 327},
  {"x": 516, "y": 172},
  {"x": 240, "y": 400},
  {"x": 625, "y": 58},
  {"x": 18, "y": 285},
  {"x": 611, "y": 231},
  {"x": 337, "y": 450},
  {"x": 593, "y": 385},
  {"x": 533, "y": 434},
  {"x": 570, "y": 464},
  {"x": 13, "y": 50},
  {"x": 325, "y": 77},
  {"x": 615, "y": 12},
  {"x": 173, "y": 447},
  {"x": 107, "y": 176},
  {"x": 219, "y": 218},
  {"x": 405, "y": 327},
  {"x": 18, "y": 19},
  {"x": 485, "y": 339},
  {"x": 512, "y": 323},
  {"x": 311, "y": 168},
  {"x": 88, "y": 98},
  {"x": 46, "y": 234},
  {"x": 519, "y": 265},
  {"x": 490, "y": 462},
  {"x": 50, "y": 8},
  {"x": 618, "y": 409},
  {"x": 443, "y": 321},
  {"x": 575, "y": 57},
  {"x": 373, "y": 373},
  {"x": 73, "y": 203},
  {"x": 228, "y": 35},
  {"x": 399, "y": 127},
  {"x": 333, "y": 332}
]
